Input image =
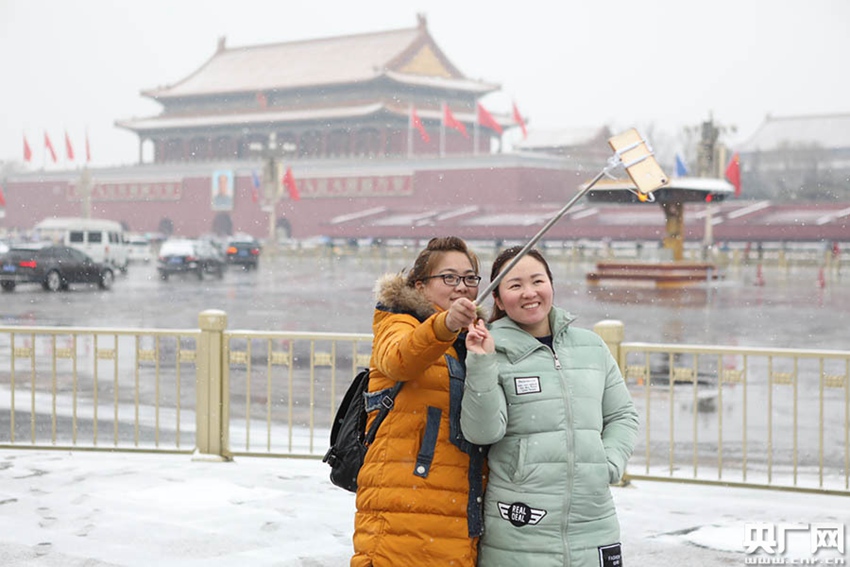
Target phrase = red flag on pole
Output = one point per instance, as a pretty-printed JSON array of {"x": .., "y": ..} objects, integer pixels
[
  {"x": 49, "y": 146},
  {"x": 88, "y": 149},
  {"x": 27, "y": 150},
  {"x": 519, "y": 120},
  {"x": 2, "y": 197},
  {"x": 69, "y": 150},
  {"x": 417, "y": 123},
  {"x": 289, "y": 183},
  {"x": 486, "y": 119},
  {"x": 733, "y": 173},
  {"x": 262, "y": 100},
  {"x": 452, "y": 122}
]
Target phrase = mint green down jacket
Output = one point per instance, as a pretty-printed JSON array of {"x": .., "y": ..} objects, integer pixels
[{"x": 562, "y": 426}]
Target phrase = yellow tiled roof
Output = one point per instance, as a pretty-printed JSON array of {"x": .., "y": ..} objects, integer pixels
[{"x": 405, "y": 55}]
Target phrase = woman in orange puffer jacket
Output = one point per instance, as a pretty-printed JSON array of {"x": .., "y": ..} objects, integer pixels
[{"x": 419, "y": 491}]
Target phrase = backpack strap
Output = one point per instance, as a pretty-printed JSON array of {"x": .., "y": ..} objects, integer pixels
[
  {"x": 387, "y": 402},
  {"x": 355, "y": 389}
]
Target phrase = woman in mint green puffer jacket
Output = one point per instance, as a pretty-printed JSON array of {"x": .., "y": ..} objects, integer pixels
[{"x": 550, "y": 400}]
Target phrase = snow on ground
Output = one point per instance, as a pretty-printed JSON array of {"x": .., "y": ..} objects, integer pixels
[{"x": 97, "y": 509}]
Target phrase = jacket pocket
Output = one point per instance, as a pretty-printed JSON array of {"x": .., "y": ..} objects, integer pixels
[
  {"x": 519, "y": 463},
  {"x": 429, "y": 442}
]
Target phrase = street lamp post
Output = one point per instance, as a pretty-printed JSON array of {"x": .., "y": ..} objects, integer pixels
[
  {"x": 271, "y": 185},
  {"x": 85, "y": 190}
]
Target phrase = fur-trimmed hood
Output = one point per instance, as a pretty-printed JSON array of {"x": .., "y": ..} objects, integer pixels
[{"x": 394, "y": 295}]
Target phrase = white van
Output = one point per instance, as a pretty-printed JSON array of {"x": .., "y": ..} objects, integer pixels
[{"x": 101, "y": 239}]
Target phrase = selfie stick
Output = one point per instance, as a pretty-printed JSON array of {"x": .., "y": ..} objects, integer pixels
[{"x": 632, "y": 152}]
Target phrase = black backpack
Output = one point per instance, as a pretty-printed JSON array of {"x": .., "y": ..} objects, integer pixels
[{"x": 349, "y": 439}]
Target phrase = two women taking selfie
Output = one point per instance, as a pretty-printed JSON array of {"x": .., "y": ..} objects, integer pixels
[{"x": 534, "y": 398}]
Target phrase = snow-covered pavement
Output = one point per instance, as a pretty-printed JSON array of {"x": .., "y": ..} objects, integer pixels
[{"x": 93, "y": 509}]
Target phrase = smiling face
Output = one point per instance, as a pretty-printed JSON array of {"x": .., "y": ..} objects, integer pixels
[
  {"x": 437, "y": 291},
  {"x": 525, "y": 294}
]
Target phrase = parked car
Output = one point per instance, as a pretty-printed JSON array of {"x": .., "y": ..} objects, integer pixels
[
  {"x": 54, "y": 267},
  {"x": 139, "y": 249},
  {"x": 243, "y": 251},
  {"x": 184, "y": 256}
]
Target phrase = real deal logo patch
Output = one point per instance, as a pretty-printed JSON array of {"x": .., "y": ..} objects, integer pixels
[
  {"x": 520, "y": 514},
  {"x": 527, "y": 385}
]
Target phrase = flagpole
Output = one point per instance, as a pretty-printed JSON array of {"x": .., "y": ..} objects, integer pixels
[
  {"x": 410, "y": 132},
  {"x": 475, "y": 136},
  {"x": 443, "y": 131}
]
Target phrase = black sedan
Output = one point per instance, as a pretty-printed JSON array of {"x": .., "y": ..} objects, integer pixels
[
  {"x": 54, "y": 267},
  {"x": 243, "y": 252},
  {"x": 183, "y": 256}
]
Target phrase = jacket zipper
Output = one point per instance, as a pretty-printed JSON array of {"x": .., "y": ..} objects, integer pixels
[{"x": 555, "y": 356}]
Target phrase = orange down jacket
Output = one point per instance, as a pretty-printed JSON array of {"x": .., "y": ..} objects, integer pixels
[{"x": 419, "y": 491}]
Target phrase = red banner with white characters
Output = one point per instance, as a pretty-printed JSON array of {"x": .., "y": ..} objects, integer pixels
[
  {"x": 356, "y": 186},
  {"x": 130, "y": 191}
]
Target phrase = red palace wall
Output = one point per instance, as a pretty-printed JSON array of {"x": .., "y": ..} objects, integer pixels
[
  {"x": 186, "y": 201},
  {"x": 512, "y": 202}
]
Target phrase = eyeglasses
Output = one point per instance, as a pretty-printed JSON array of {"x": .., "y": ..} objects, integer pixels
[{"x": 453, "y": 279}]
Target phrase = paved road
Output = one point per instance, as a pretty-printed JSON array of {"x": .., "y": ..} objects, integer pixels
[{"x": 334, "y": 293}]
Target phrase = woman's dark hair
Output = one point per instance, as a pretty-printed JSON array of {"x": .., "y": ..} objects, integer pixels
[
  {"x": 503, "y": 258},
  {"x": 432, "y": 253}
]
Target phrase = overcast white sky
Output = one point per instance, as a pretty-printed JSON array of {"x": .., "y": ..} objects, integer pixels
[{"x": 658, "y": 65}]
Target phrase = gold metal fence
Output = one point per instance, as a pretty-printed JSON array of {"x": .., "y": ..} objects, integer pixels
[
  {"x": 284, "y": 388},
  {"x": 774, "y": 418},
  {"x": 89, "y": 388},
  {"x": 731, "y": 415}
]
